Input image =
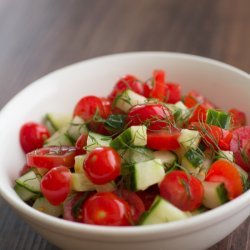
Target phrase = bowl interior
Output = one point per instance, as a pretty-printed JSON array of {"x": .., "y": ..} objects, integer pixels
[{"x": 58, "y": 92}]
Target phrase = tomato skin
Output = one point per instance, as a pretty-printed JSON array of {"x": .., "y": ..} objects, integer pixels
[
  {"x": 240, "y": 145},
  {"x": 199, "y": 114},
  {"x": 238, "y": 118},
  {"x": 127, "y": 82},
  {"x": 55, "y": 185},
  {"x": 193, "y": 98},
  {"x": 135, "y": 202},
  {"x": 172, "y": 92},
  {"x": 159, "y": 88},
  {"x": 106, "y": 209},
  {"x": 88, "y": 106},
  {"x": 50, "y": 157},
  {"x": 174, "y": 189},
  {"x": 81, "y": 143},
  {"x": 154, "y": 116},
  {"x": 102, "y": 165},
  {"x": 224, "y": 171},
  {"x": 163, "y": 140},
  {"x": 32, "y": 136}
]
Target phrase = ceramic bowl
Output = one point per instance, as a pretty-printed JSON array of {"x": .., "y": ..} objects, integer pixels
[{"x": 59, "y": 91}]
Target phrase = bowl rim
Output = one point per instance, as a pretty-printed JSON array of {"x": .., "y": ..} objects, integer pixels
[{"x": 170, "y": 229}]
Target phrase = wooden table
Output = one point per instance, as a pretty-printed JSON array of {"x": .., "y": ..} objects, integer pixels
[{"x": 37, "y": 37}]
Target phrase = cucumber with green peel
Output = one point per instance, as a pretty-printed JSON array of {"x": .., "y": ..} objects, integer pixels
[
  {"x": 192, "y": 161},
  {"x": 79, "y": 161},
  {"x": 75, "y": 128},
  {"x": 134, "y": 136},
  {"x": 30, "y": 181},
  {"x": 168, "y": 158},
  {"x": 182, "y": 113},
  {"x": 41, "y": 204},
  {"x": 136, "y": 154},
  {"x": 189, "y": 138},
  {"x": 244, "y": 177},
  {"x": 162, "y": 211},
  {"x": 215, "y": 194},
  {"x": 218, "y": 118},
  {"x": 146, "y": 174},
  {"x": 201, "y": 175},
  {"x": 95, "y": 140},
  {"x": 128, "y": 99},
  {"x": 24, "y": 193},
  {"x": 59, "y": 138}
]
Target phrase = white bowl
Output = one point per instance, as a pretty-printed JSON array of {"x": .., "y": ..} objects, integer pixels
[{"x": 223, "y": 84}]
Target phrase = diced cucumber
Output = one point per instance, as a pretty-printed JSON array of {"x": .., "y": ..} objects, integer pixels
[
  {"x": 201, "y": 175},
  {"x": 24, "y": 193},
  {"x": 189, "y": 138},
  {"x": 162, "y": 211},
  {"x": 95, "y": 140},
  {"x": 182, "y": 113},
  {"x": 80, "y": 182},
  {"x": 128, "y": 99},
  {"x": 42, "y": 205},
  {"x": 228, "y": 155},
  {"x": 108, "y": 187},
  {"x": 215, "y": 194},
  {"x": 30, "y": 181},
  {"x": 132, "y": 136},
  {"x": 167, "y": 157},
  {"x": 146, "y": 174},
  {"x": 55, "y": 121},
  {"x": 59, "y": 138},
  {"x": 244, "y": 177},
  {"x": 79, "y": 160},
  {"x": 40, "y": 171},
  {"x": 136, "y": 154},
  {"x": 192, "y": 161},
  {"x": 218, "y": 118},
  {"x": 75, "y": 128}
]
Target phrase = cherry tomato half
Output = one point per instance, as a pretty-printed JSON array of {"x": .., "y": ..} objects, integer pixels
[
  {"x": 183, "y": 190},
  {"x": 51, "y": 157},
  {"x": 154, "y": 116},
  {"x": 163, "y": 139},
  {"x": 193, "y": 98},
  {"x": 126, "y": 82},
  {"x": 172, "y": 93},
  {"x": 106, "y": 209},
  {"x": 81, "y": 143},
  {"x": 224, "y": 171},
  {"x": 32, "y": 136},
  {"x": 199, "y": 114},
  {"x": 102, "y": 165},
  {"x": 238, "y": 118},
  {"x": 55, "y": 185}
]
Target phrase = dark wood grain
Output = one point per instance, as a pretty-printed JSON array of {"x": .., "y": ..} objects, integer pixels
[{"x": 37, "y": 37}]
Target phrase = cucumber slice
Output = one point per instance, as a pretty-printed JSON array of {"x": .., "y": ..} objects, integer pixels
[
  {"x": 189, "y": 138},
  {"x": 108, "y": 187},
  {"x": 79, "y": 161},
  {"x": 59, "y": 138},
  {"x": 192, "y": 161},
  {"x": 182, "y": 113},
  {"x": 228, "y": 155},
  {"x": 215, "y": 194},
  {"x": 128, "y": 99},
  {"x": 24, "y": 193},
  {"x": 30, "y": 181},
  {"x": 136, "y": 154},
  {"x": 204, "y": 168},
  {"x": 133, "y": 136},
  {"x": 162, "y": 211},
  {"x": 218, "y": 118},
  {"x": 42, "y": 205},
  {"x": 75, "y": 128},
  {"x": 56, "y": 121},
  {"x": 167, "y": 157},
  {"x": 95, "y": 140},
  {"x": 146, "y": 174}
]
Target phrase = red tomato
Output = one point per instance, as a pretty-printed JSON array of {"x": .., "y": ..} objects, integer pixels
[
  {"x": 172, "y": 92},
  {"x": 159, "y": 89},
  {"x": 163, "y": 139},
  {"x": 32, "y": 136},
  {"x": 106, "y": 209},
  {"x": 102, "y": 165},
  {"x": 106, "y": 105},
  {"x": 154, "y": 116},
  {"x": 136, "y": 204},
  {"x": 199, "y": 114},
  {"x": 238, "y": 118},
  {"x": 183, "y": 190},
  {"x": 193, "y": 98},
  {"x": 240, "y": 145},
  {"x": 89, "y": 106},
  {"x": 224, "y": 171},
  {"x": 51, "y": 157},
  {"x": 81, "y": 143},
  {"x": 55, "y": 185},
  {"x": 126, "y": 82},
  {"x": 213, "y": 136}
]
